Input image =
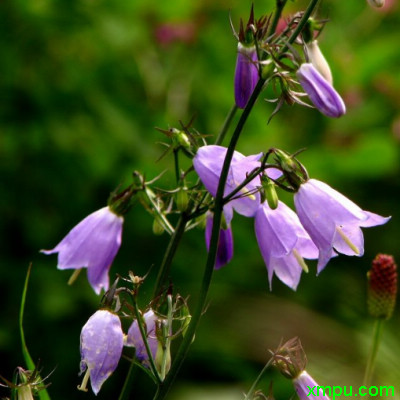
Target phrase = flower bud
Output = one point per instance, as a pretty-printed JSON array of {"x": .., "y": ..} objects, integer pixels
[
  {"x": 270, "y": 194},
  {"x": 320, "y": 91},
  {"x": 182, "y": 199},
  {"x": 376, "y": 3},
  {"x": 158, "y": 229},
  {"x": 317, "y": 59},
  {"x": 382, "y": 286},
  {"x": 246, "y": 74},
  {"x": 290, "y": 358}
]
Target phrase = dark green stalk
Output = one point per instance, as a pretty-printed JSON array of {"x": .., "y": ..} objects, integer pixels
[
  {"x": 176, "y": 161},
  {"x": 300, "y": 26},
  {"x": 226, "y": 125},
  {"x": 170, "y": 253},
  {"x": 212, "y": 252},
  {"x": 164, "y": 387},
  {"x": 376, "y": 339},
  {"x": 280, "y": 5}
]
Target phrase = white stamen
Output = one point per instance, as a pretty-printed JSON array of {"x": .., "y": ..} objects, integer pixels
[
  {"x": 347, "y": 240},
  {"x": 300, "y": 260}
]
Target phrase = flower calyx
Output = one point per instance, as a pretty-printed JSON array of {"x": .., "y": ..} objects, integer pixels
[
  {"x": 290, "y": 358},
  {"x": 293, "y": 171}
]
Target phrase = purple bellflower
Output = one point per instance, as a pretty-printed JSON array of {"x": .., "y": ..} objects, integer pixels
[
  {"x": 321, "y": 93},
  {"x": 332, "y": 220},
  {"x": 208, "y": 164},
  {"x": 307, "y": 389},
  {"x": 283, "y": 243},
  {"x": 92, "y": 244},
  {"x": 102, "y": 341},
  {"x": 134, "y": 338},
  {"x": 246, "y": 74},
  {"x": 225, "y": 243}
]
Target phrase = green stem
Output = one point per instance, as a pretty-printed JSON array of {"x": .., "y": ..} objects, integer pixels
[
  {"x": 187, "y": 340},
  {"x": 143, "y": 333},
  {"x": 280, "y": 5},
  {"x": 253, "y": 387},
  {"x": 124, "y": 393},
  {"x": 177, "y": 172},
  {"x": 226, "y": 125},
  {"x": 376, "y": 339},
  {"x": 170, "y": 253},
  {"x": 300, "y": 26},
  {"x": 164, "y": 386}
]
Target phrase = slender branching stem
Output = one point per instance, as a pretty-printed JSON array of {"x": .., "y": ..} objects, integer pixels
[
  {"x": 376, "y": 339},
  {"x": 164, "y": 386}
]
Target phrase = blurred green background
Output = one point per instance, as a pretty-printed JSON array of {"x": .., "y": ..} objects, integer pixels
[{"x": 83, "y": 83}]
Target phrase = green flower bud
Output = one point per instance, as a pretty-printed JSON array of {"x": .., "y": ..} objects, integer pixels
[
  {"x": 269, "y": 193},
  {"x": 182, "y": 199},
  {"x": 158, "y": 228}
]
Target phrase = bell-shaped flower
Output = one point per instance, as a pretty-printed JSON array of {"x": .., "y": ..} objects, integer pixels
[
  {"x": 246, "y": 74},
  {"x": 225, "y": 243},
  {"x": 332, "y": 220},
  {"x": 208, "y": 164},
  {"x": 92, "y": 244},
  {"x": 283, "y": 243},
  {"x": 102, "y": 341},
  {"x": 307, "y": 389},
  {"x": 321, "y": 93},
  {"x": 134, "y": 338}
]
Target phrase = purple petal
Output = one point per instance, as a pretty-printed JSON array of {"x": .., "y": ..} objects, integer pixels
[
  {"x": 225, "y": 243},
  {"x": 134, "y": 338},
  {"x": 332, "y": 220},
  {"x": 208, "y": 164},
  {"x": 246, "y": 74},
  {"x": 92, "y": 244},
  {"x": 279, "y": 233},
  {"x": 303, "y": 383},
  {"x": 320, "y": 91},
  {"x": 101, "y": 346}
]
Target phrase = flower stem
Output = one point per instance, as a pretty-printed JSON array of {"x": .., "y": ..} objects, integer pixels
[
  {"x": 280, "y": 5},
  {"x": 376, "y": 339},
  {"x": 170, "y": 253},
  {"x": 253, "y": 387},
  {"x": 184, "y": 347},
  {"x": 226, "y": 125},
  {"x": 164, "y": 386}
]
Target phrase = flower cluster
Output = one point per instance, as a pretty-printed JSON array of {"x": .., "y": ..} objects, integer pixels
[
  {"x": 326, "y": 222},
  {"x": 102, "y": 342}
]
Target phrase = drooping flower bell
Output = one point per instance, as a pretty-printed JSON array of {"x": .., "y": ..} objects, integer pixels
[
  {"x": 333, "y": 221},
  {"x": 283, "y": 243},
  {"x": 208, "y": 164},
  {"x": 308, "y": 389},
  {"x": 92, "y": 244},
  {"x": 321, "y": 92},
  {"x": 102, "y": 341},
  {"x": 225, "y": 243},
  {"x": 134, "y": 338}
]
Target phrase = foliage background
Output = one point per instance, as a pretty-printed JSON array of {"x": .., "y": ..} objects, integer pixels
[{"x": 83, "y": 83}]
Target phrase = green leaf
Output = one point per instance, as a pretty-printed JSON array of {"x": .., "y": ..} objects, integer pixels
[{"x": 43, "y": 395}]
